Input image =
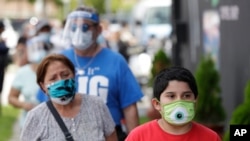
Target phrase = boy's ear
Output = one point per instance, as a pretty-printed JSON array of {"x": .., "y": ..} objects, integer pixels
[{"x": 156, "y": 104}]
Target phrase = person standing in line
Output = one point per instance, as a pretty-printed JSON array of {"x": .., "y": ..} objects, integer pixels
[
  {"x": 43, "y": 34},
  {"x": 175, "y": 93},
  {"x": 24, "y": 83},
  {"x": 86, "y": 117},
  {"x": 101, "y": 71},
  {"x": 3, "y": 58},
  {"x": 20, "y": 56}
]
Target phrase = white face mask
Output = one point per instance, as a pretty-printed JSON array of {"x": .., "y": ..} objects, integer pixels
[
  {"x": 36, "y": 57},
  {"x": 81, "y": 40},
  {"x": 45, "y": 37},
  {"x": 35, "y": 53}
]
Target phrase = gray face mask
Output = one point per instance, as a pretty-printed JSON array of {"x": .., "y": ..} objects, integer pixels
[{"x": 81, "y": 40}]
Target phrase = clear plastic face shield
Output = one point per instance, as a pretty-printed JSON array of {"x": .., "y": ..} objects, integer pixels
[
  {"x": 76, "y": 31},
  {"x": 36, "y": 50}
]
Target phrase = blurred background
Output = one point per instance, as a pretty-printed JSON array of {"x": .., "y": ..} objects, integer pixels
[{"x": 184, "y": 30}]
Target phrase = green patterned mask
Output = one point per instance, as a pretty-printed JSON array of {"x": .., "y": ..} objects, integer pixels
[{"x": 179, "y": 112}]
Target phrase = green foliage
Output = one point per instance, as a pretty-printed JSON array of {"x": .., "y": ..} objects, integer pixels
[
  {"x": 7, "y": 120},
  {"x": 114, "y": 5},
  {"x": 209, "y": 109},
  {"x": 31, "y": 1},
  {"x": 99, "y": 5},
  {"x": 57, "y": 2},
  {"x": 247, "y": 92},
  {"x": 143, "y": 119},
  {"x": 160, "y": 61},
  {"x": 241, "y": 113}
]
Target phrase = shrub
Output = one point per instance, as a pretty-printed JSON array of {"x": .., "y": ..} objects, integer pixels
[
  {"x": 241, "y": 114},
  {"x": 209, "y": 109}
]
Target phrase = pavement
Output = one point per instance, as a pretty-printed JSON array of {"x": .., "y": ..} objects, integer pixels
[
  {"x": 16, "y": 132},
  {"x": 9, "y": 76}
]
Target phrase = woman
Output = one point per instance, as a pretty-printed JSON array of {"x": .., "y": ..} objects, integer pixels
[
  {"x": 24, "y": 84},
  {"x": 86, "y": 117}
]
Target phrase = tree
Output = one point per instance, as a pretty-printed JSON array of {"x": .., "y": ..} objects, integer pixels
[
  {"x": 241, "y": 114},
  {"x": 209, "y": 109},
  {"x": 160, "y": 61}
]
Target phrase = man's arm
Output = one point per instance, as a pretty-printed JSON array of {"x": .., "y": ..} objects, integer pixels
[{"x": 131, "y": 117}]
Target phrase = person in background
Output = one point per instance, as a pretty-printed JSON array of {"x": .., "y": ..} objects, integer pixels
[
  {"x": 103, "y": 38},
  {"x": 28, "y": 30},
  {"x": 175, "y": 94},
  {"x": 86, "y": 117},
  {"x": 24, "y": 88},
  {"x": 20, "y": 56},
  {"x": 101, "y": 71},
  {"x": 121, "y": 46},
  {"x": 43, "y": 34},
  {"x": 56, "y": 37},
  {"x": 3, "y": 57}
]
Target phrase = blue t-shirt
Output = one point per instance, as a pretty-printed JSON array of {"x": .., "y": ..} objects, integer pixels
[
  {"x": 106, "y": 75},
  {"x": 41, "y": 96}
]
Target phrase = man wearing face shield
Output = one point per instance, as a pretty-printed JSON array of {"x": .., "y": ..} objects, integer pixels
[{"x": 100, "y": 71}]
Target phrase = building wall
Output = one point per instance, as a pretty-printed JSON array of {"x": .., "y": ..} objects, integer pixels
[
  {"x": 234, "y": 58},
  {"x": 22, "y": 9}
]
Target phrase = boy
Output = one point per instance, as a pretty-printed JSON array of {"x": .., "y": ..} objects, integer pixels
[{"x": 175, "y": 94}]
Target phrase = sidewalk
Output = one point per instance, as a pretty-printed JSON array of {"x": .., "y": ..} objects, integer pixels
[
  {"x": 16, "y": 132},
  {"x": 9, "y": 76}
]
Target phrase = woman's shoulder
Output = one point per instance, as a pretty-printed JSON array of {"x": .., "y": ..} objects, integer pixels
[{"x": 39, "y": 109}]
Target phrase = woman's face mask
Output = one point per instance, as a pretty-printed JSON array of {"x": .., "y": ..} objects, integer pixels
[
  {"x": 179, "y": 112},
  {"x": 63, "y": 91}
]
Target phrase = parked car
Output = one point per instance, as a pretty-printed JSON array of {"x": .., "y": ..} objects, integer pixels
[{"x": 154, "y": 17}]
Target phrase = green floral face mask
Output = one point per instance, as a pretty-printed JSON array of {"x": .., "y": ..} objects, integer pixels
[{"x": 179, "y": 112}]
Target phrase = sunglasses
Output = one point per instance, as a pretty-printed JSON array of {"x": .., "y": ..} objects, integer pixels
[{"x": 85, "y": 27}]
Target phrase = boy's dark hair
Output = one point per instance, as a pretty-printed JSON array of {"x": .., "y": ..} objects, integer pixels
[{"x": 173, "y": 73}]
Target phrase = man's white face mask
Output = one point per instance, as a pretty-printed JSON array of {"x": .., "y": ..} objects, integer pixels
[{"x": 81, "y": 40}]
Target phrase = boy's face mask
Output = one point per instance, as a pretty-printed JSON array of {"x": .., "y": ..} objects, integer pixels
[{"x": 179, "y": 112}]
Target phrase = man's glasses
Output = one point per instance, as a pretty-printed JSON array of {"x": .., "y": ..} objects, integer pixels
[{"x": 85, "y": 27}]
